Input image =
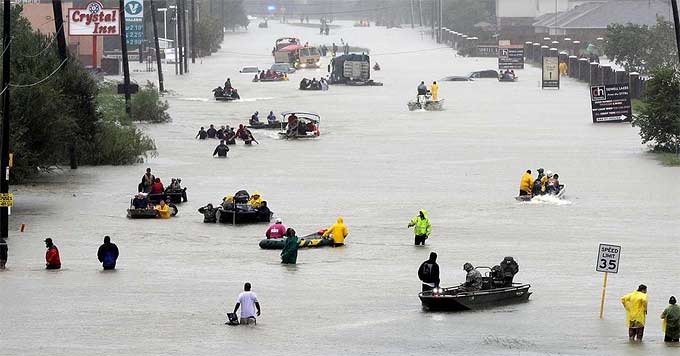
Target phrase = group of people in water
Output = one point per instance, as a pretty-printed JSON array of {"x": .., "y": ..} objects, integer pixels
[
  {"x": 296, "y": 127},
  {"x": 240, "y": 202},
  {"x": 270, "y": 75},
  {"x": 500, "y": 276},
  {"x": 336, "y": 234},
  {"x": 255, "y": 119},
  {"x": 545, "y": 183},
  {"x": 423, "y": 92},
  {"x": 151, "y": 184},
  {"x": 227, "y": 136},
  {"x": 509, "y": 74},
  {"x": 321, "y": 84},
  {"x": 151, "y": 191}
]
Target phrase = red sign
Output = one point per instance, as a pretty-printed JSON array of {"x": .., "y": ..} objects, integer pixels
[{"x": 94, "y": 20}]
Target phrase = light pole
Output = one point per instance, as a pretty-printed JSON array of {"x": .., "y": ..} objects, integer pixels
[
  {"x": 164, "y": 10},
  {"x": 174, "y": 41}
]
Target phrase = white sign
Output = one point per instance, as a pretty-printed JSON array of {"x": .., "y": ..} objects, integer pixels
[
  {"x": 94, "y": 20},
  {"x": 608, "y": 258}
]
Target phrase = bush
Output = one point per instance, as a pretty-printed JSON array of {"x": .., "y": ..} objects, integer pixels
[
  {"x": 146, "y": 105},
  {"x": 659, "y": 110}
]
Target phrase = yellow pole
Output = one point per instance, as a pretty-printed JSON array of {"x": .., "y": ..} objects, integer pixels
[{"x": 604, "y": 289}]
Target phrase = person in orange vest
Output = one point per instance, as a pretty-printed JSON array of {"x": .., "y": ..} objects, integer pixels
[{"x": 52, "y": 259}]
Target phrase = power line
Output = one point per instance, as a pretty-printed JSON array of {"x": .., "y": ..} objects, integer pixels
[
  {"x": 46, "y": 47},
  {"x": 41, "y": 80}
]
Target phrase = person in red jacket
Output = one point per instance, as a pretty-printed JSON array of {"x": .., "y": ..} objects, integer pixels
[
  {"x": 52, "y": 256},
  {"x": 157, "y": 187}
]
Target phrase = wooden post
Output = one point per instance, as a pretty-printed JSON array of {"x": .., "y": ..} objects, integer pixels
[{"x": 604, "y": 290}]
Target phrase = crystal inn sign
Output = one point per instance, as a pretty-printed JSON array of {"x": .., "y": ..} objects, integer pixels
[{"x": 94, "y": 20}]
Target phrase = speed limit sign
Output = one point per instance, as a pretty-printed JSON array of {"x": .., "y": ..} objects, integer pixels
[{"x": 608, "y": 258}]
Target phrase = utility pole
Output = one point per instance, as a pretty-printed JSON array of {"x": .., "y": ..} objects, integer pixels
[
  {"x": 193, "y": 31},
  {"x": 184, "y": 36},
  {"x": 126, "y": 65},
  {"x": 676, "y": 20},
  {"x": 434, "y": 6},
  {"x": 59, "y": 28},
  {"x": 179, "y": 38},
  {"x": 4, "y": 160},
  {"x": 420, "y": 12},
  {"x": 412, "y": 21},
  {"x": 158, "y": 48},
  {"x": 441, "y": 18}
]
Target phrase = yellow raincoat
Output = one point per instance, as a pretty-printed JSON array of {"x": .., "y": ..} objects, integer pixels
[
  {"x": 256, "y": 202},
  {"x": 163, "y": 211},
  {"x": 338, "y": 231},
  {"x": 434, "y": 90},
  {"x": 636, "y": 308},
  {"x": 526, "y": 183}
]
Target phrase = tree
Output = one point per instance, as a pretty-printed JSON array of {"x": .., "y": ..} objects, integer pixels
[
  {"x": 463, "y": 15},
  {"x": 641, "y": 48},
  {"x": 659, "y": 112}
]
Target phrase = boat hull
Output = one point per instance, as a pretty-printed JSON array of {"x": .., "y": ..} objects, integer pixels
[
  {"x": 242, "y": 217},
  {"x": 311, "y": 241},
  {"x": 454, "y": 299}
]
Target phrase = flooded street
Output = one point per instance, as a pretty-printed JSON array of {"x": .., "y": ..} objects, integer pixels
[{"x": 376, "y": 164}]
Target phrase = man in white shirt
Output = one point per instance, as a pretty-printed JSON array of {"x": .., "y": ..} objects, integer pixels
[{"x": 248, "y": 302}]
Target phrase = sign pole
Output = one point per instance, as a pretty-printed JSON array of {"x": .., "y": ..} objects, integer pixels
[
  {"x": 94, "y": 52},
  {"x": 126, "y": 65},
  {"x": 4, "y": 155},
  {"x": 604, "y": 290},
  {"x": 161, "y": 88}
]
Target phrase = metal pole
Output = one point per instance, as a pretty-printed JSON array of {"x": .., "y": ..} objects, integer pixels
[
  {"x": 59, "y": 29},
  {"x": 193, "y": 31},
  {"x": 180, "y": 38},
  {"x": 126, "y": 65},
  {"x": 441, "y": 15},
  {"x": 165, "y": 24},
  {"x": 420, "y": 12},
  {"x": 676, "y": 20},
  {"x": 184, "y": 36},
  {"x": 412, "y": 21},
  {"x": 434, "y": 4},
  {"x": 4, "y": 160},
  {"x": 176, "y": 49},
  {"x": 158, "y": 48}
]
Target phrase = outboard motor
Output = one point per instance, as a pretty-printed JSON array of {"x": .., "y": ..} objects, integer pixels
[{"x": 509, "y": 269}]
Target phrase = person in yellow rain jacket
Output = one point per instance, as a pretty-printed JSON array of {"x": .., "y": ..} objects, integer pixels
[
  {"x": 256, "y": 200},
  {"x": 338, "y": 232},
  {"x": 526, "y": 183},
  {"x": 636, "y": 312},
  {"x": 423, "y": 227},
  {"x": 434, "y": 90},
  {"x": 563, "y": 69},
  {"x": 163, "y": 210}
]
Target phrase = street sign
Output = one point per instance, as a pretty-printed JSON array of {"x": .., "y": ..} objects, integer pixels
[
  {"x": 608, "y": 258},
  {"x": 611, "y": 102},
  {"x": 6, "y": 200},
  {"x": 551, "y": 72},
  {"x": 510, "y": 57},
  {"x": 132, "y": 89},
  {"x": 134, "y": 22}
]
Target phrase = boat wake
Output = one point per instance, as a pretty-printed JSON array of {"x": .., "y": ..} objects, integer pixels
[
  {"x": 548, "y": 200},
  {"x": 254, "y": 99},
  {"x": 194, "y": 99}
]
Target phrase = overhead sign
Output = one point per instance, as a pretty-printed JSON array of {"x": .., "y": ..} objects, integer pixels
[
  {"x": 510, "y": 57},
  {"x": 134, "y": 22},
  {"x": 551, "y": 72},
  {"x": 611, "y": 102},
  {"x": 93, "y": 20},
  {"x": 608, "y": 258},
  {"x": 6, "y": 200}
]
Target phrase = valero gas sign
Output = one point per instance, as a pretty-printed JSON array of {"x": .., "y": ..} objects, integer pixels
[{"x": 94, "y": 20}]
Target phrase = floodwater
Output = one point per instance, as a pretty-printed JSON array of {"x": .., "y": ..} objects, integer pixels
[{"x": 376, "y": 164}]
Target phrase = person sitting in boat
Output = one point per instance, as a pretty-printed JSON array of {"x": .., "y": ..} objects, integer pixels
[
  {"x": 429, "y": 273},
  {"x": 314, "y": 84},
  {"x": 271, "y": 118},
  {"x": 276, "y": 230},
  {"x": 324, "y": 83},
  {"x": 227, "y": 202},
  {"x": 255, "y": 200},
  {"x": 234, "y": 94},
  {"x": 211, "y": 131},
  {"x": 163, "y": 210},
  {"x": 176, "y": 187},
  {"x": 263, "y": 212},
  {"x": 262, "y": 75},
  {"x": 376, "y": 66},
  {"x": 157, "y": 187},
  {"x": 292, "y": 125},
  {"x": 209, "y": 213},
  {"x": 338, "y": 232},
  {"x": 553, "y": 184},
  {"x": 218, "y": 92},
  {"x": 268, "y": 74},
  {"x": 171, "y": 206},
  {"x": 221, "y": 150},
  {"x": 147, "y": 181},
  {"x": 304, "y": 83},
  {"x": 512, "y": 73},
  {"x": 526, "y": 183},
  {"x": 227, "y": 84},
  {"x": 255, "y": 119},
  {"x": 473, "y": 279},
  {"x": 310, "y": 127},
  {"x": 537, "y": 187},
  {"x": 140, "y": 201},
  {"x": 202, "y": 134}
]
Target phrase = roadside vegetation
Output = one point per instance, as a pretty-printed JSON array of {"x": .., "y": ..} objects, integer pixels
[{"x": 57, "y": 107}]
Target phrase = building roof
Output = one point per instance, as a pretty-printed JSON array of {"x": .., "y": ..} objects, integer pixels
[{"x": 599, "y": 14}]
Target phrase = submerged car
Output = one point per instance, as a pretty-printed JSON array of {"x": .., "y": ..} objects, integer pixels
[
  {"x": 250, "y": 70},
  {"x": 480, "y": 74},
  {"x": 282, "y": 68}
]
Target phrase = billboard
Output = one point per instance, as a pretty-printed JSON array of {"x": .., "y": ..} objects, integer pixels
[
  {"x": 134, "y": 22},
  {"x": 611, "y": 102},
  {"x": 93, "y": 20},
  {"x": 551, "y": 73},
  {"x": 510, "y": 57}
]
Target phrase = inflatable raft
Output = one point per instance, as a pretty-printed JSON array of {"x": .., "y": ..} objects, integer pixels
[{"x": 309, "y": 241}]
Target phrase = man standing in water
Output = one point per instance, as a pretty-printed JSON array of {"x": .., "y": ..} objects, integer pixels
[
  {"x": 671, "y": 321},
  {"x": 108, "y": 254},
  {"x": 429, "y": 273},
  {"x": 423, "y": 228},
  {"x": 248, "y": 302},
  {"x": 52, "y": 259},
  {"x": 636, "y": 312},
  {"x": 221, "y": 150}
]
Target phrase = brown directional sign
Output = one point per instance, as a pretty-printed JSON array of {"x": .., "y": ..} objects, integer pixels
[{"x": 611, "y": 102}]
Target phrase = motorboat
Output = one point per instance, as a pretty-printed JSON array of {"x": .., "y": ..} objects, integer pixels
[{"x": 304, "y": 125}]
